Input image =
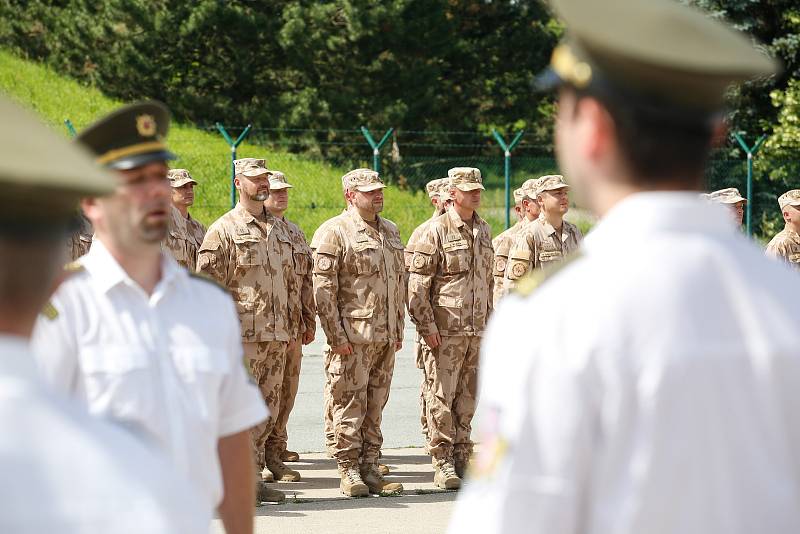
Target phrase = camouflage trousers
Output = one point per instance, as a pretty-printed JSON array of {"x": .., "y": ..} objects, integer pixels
[
  {"x": 421, "y": 353},
  {"x": 452, "y": 388},
  {"x": 360, "y": 384},
  {"x": 267, "y": 360},
  {"x": 279, "y": 437},
  {"x": 327, "y": 406}
]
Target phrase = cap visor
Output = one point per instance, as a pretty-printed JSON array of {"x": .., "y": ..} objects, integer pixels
[
  {"x": 131, "y": 162},
  {"x": 554, "y": 188},
  {"x": 370, "y": 187},
  {"x": 257, "y": 172},
  {"x": 182, "y": 182},
  {"x": 281, "y": 185},
  {"x": 547, "y": 81},
  {"x": 470, "y": 186}
]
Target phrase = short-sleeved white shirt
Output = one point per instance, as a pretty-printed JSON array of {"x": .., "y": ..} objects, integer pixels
[
  {"x": 64, "y": 471},
  {"x": 169, "y": 366},
  {"x": 650, "y": 386}
]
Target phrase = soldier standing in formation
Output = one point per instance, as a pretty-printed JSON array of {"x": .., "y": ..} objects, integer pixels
[
  {"x": 529, "y": 212},
  {"x": 277, "y": 203},
  {"x": 359, "y": 291},
  {"x": 729, "y": 197},
  {"x": 548, "y": 239},
  {"x": 129, "y": 332},
  {"x": 439, "y": 193},
  {"x": 185, "y": 233},
  {"x": 786, "y": 244},
  {"x": 249, "y": 252},
  {"x": 450, "y": 299}
]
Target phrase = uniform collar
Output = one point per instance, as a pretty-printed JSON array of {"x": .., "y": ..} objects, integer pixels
[
  {"x": 455, "y": 218},
  {"x": 107, "y": 272},
  {"x": 648, "y": 213},
  {"x": 360, "y": 223}
]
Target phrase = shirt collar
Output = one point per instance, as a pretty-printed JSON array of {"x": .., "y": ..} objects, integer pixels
[
  {"x": 360, "y": 223},
  {"x": 647, "y": 213},
  {"x": 107, "y": 272},
  {"x": 455, "y": 217}
]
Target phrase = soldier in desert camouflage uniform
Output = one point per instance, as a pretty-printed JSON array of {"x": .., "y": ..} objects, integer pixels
[
  {"x": 249, "y": 252},
  {"x": 439, "y": 193},
  {"x": 276, "y": 204},
  {"x": 547, "y": 240},
  {"x": 450, "y": 299},
  {"x": 786, "y": 244},
  {"x": 731, "y": 198},
  {"x": 185, "y": 233},
  {"x": 529, "y": 212},
  {"x": 81, "y": 239},
  {"x": 359, "y": 290}
]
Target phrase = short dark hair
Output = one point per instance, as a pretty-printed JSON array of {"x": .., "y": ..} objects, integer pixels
[{"x": 659, "y": 143}]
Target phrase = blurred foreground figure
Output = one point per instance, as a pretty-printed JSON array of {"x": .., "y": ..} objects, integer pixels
[
  {"x": 143, "y": 342},
  {"x": 661, "y": 392},
  {"x": 62, "y": 470}
]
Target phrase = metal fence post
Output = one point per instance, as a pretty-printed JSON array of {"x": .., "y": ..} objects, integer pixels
[
  {"x": 376, "y": 147},
  {"x": 70, "y": 127},
  {"x": 233, "y": 144},
  {"x": 507, "y": 148},
  {"x": 751, "y": 152}
]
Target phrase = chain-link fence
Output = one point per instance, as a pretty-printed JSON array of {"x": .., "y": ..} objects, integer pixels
[{"x": 315, "y": 160}]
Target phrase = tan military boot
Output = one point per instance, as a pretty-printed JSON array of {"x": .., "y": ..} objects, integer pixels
[
  {"x": 445, "y": 476},
  {"x": 384, "y": 469},
  {"x": 374, "y": 480},
  {"x": 290, "y": 456},
  {"x": 281, "y": 472},
  {"x": 266, "y": 475},
  {"x": 351, "y": 484},
  {"x": 266, "y": 494}
]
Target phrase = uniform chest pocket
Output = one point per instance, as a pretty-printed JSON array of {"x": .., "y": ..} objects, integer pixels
[
  {"x": 457, "y": 257},
  {"x": 249, "y": 251},
  {"x": 119, "y": 381},
  {"x": 366, "y": 259}
]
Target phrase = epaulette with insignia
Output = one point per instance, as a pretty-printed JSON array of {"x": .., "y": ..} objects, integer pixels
[
  {"x": 74, "y": 267},
  {"x": 50, "y": 311},
  {"x": 530, "y": 282}
]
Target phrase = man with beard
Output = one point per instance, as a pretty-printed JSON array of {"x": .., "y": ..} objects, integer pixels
[
  {"x": 277, "y": 203},
  {"x": 548, "y": 239},
  {"x": 450, "y": 299},
  {"x": 249, "y": 252},
  {"x": 140, "y": 341},
  {"x": 661, "y": 394},
  {"x": 359, "y": 290},
  {"x": 185, "y": 233}
]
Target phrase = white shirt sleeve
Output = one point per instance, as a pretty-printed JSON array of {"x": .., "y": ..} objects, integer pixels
[
  {"x": 241, "y": 404},
  {"x": 532, "y": 471},
  {"x": 54, "y": 345}
]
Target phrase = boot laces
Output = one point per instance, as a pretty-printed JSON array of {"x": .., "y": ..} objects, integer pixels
[
  {"x": 448, "y": 469},
  {"x": 353, "y": 475}
]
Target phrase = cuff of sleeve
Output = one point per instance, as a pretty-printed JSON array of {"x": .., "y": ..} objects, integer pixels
[{"x": 244, "y": 419}]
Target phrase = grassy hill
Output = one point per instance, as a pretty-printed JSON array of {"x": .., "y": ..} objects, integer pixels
[{"x": 316, "y": 197}]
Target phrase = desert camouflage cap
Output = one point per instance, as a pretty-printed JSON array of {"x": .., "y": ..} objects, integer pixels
[
  {"x": 364, "y": 180},
  {"x": 42, "y": 175},
  {"x": 729, "y": 195},
  {"x": 789, "y": 198},
  {"x": 277, "y": 180},
  {"x": 465, "y": 178},
  {"x": 670, "y": 56},
  {"x": 180, "y": 177},
  {"x": 518, "y": 195},
  {"x": 530, "y": 188},
  {"x": 551, "y": 182},
  {"x": 433, "y": 188},
  {"x": 250, "y": 167}
]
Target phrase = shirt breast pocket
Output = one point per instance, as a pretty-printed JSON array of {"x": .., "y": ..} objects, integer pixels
[
  {"x": 118, "y": 381},
  {"x": 248, "y": 251},
  {"x": 202, "y": 371},
  {"x": 457, "y": 258},
  {"x": 366, "y": 260}
]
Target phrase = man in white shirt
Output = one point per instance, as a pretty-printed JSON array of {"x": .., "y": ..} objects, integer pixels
[
  {"x": 141, "y": 341},
  {"x": 662, "y": 393},
  {"x": 62, "y": 470}
]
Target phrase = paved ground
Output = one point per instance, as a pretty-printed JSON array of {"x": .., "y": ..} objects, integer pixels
[{"x": 315, "y": 504}]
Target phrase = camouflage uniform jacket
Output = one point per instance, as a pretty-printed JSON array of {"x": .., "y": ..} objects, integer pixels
[
  {"x": 538, "y": 245},
  {"x": 195, "y": 231},
  {"x": 80, "y": 241},
  {"x": 252, "y": 258},
  {"x": 786, "y": 246},
  {"x": 301, "y": 255},
  {"x": 359, "y": 280},
  {"x": 450, "y": 285},
  {"x": 179, "y": 243},
  {"x": 415, "y": 235},
  {"x": 502, "y": 246}
]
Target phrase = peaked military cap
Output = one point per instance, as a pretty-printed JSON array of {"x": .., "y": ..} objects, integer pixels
[
  {"x": 465, "y": 178},
  {"x": 789, "y": 198},
  {"x": 129, "y": 137},
  {"x": 277, "y": 180},
  {"x": 729, "y": 195},
  {"x": 42, "y": 174},
  {"x": 364, "y": 180},
  {"x": 519, "y": 194},
  {"x": 654, "y": 54},
  {"x": 180, "y": 177}
]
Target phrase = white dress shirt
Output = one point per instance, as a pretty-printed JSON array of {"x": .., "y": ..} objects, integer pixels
[
  {"x": 168, "y": 365},
  {"x": 62, "y": 471},
  {"x": 652, "y": 386}
]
